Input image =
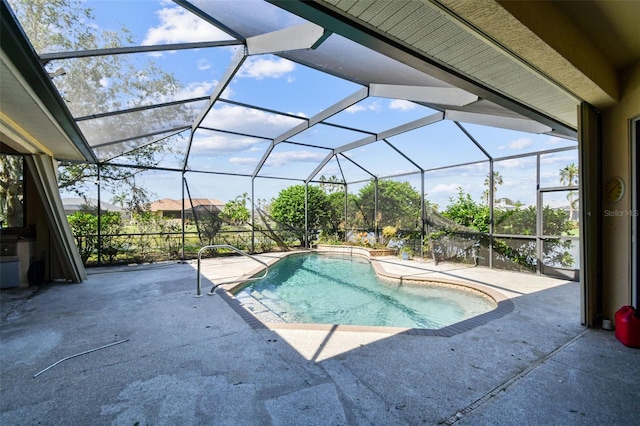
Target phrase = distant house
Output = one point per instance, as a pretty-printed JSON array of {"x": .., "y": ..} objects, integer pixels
[
  {"x": 574, "y": 213},
  {"x": 168, "y": 208},
  {"x": 504, "y": 204},
  {"x": 89, "y": 205}
]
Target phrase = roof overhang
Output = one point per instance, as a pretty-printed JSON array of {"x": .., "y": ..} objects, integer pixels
[
  {"x": 33, "y": 118},
  {"x": 483, "y": 68}
]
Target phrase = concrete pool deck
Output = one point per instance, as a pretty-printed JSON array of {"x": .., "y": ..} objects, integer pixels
[{"x": 187, "y": 361}]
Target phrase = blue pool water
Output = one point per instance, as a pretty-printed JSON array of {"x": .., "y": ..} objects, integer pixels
[{"x": 312, "y": 288}]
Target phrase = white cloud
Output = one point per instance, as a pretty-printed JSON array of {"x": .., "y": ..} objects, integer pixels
[
  {"x": 521, "y": 182},
  {"x": 177, "y": 25},
  {"x": 220, "y": 143},
  {"x": 555, "y": 140},
  {"x": 478, "y": 170},
  {"x": 203, "y": 64},
  {"x": 282, "y": 158},
  {"x": 250, "y": 121},
  {"x": 196, "y": 90},
  {"x": 373, "y": 106},
  {"x": 555, "y": 159},
  {"x": 401, "y": 104},
  {"x": 441, "y": 188},
  {"x": 516, "y": 163},
  {"x": 549, "y": 176},
  {"x": 260, "y": 68},
  {"x": 518, "y": 144},
  {"x": 244, "y": 161},
  {"x": 355, "y": 108}
]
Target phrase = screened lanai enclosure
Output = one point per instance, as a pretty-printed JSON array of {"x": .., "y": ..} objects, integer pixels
[{"x": 262, "y": 125}]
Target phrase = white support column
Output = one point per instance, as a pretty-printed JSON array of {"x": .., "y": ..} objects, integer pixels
[
  {"x": 305, "y": 36},
  {"x": 434, "y": 95}
]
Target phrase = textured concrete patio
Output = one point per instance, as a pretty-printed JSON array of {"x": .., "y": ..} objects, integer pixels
[{"x": 186, "y": 360}]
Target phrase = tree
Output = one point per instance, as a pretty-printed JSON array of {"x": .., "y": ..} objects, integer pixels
[
  {"x": 398, "y": 204},
  {"x": 569, "y": 177},
  {"x": 209, "y": 225},
  {"x": 331, "y": 184},
  {"x": 85, "y": 231},
  {"x": 101, "y": 84},
  {"x": 236, "y": 212},
  {"x": 519, "y": 221},
  {"x": 466, "y": 212},
  {"x": 137, "y": 201},
  {"x": 288, "y": 209},
  {"x": 335, "y": 214},
  {"x": 497, "y": 181},
  {"x": 11, "y": 191}
]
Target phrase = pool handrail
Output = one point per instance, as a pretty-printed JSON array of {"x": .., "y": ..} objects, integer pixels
[{"x": 227, "y": 246}]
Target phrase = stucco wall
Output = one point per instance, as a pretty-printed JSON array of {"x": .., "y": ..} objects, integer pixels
[{"x": 617, "y": 216}]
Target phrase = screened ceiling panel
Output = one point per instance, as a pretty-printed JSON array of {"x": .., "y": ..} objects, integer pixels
[
  {"x": 248, "y": 18},
  {"x": 424, "y": 145},
  {"x": 502, "y": 143},
  {"x": 172, "y": 159},
  {"x": 388, "y": 161},
  {"x": 367, "y": 114},
  {"x": 348, "y": 59},
  {"x": 438, "y": 34},
  {"x": 102, "y": 84},
  {"x": 327, "y": 136},
  {"x": 292, "y": 161},
  {"x": 129, "y": 125},
  {"x": 331, "y": 170},
  {"x": 225, "y": 153},
  {"x": 332, "y": 93},
  {"x": 115, "y": 150},
  {"x": 352, "y": 171},
  {"x": 250, "y": 121},
  {"x": 128, "y": 16},
  {"x": 292, "y": 88}
]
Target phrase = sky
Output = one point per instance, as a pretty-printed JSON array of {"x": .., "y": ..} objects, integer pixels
[{"x": 275, "y": 83}]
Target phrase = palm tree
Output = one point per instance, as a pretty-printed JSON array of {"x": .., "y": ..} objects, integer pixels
[
  {"x": 331, "y": 184},
  {"x": 497, "y": 180},
  {"x": 569, "y": 177}
]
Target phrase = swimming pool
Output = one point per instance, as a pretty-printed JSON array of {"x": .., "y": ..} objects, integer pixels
[{"x": 322, "y": 289}]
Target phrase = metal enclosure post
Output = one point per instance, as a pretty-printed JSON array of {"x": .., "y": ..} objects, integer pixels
[
  {"x": 193, "y": 210},
  {"x": 253, "y": 216},
  {"x": 375, "y": 209},
  {"x": 423, "y": 211},
  {"x": 539, "y": 219},
  {"x": 346, "y": 209},
  {"x": 182, "y": 215},
  {"x": 491, "y": 224},
  {"x": 306, "y": 215},
  {"x": 99, "y": 220}
]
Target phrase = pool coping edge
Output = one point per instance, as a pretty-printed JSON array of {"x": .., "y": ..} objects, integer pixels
[{"x": 503, "y": 302}]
